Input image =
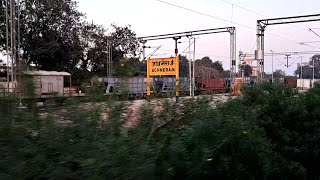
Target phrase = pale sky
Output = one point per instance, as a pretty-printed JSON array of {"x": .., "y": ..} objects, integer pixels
[{"x": 151, "y": 17}]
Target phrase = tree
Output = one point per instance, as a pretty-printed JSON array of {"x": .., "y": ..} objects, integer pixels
[
  {"x": 217, "y": 66},
  {"x": 50, "y": 34},
  {"x": 124, "y": 44},
  {"x": 279, "y": 73},
  {"x": 124, "y": 41},
  {"x": 3, "y": 67},
  {"x": 307, "y": 70},
  {"x": 129, "y": 67},
  {"x": 207, "y": 62},
  {"x": 184, "y": 66},
  {"x": 225, "y": 74},
  {"x": 2, "y": 25},
  {"x": 55, "y": 36},
  {"x": 247, "y": 70},
  {"x": 140, "y": 67},
  {"x": 206, "y": 73},
  {"x": 206, "y": 68},
  {"x": 96, "y": 44},
  {"x": 291, "y": 121}
]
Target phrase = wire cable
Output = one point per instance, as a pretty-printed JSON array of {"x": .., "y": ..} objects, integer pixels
[
  {"x": 254, "y": 45},
  {"x": 221, "y": 19},
  {"x": 202, "y": 54},
  {"x": 244, "y": 8},
  {"x": 257, "y": 13},
  {"x": 314, "y": 32}
]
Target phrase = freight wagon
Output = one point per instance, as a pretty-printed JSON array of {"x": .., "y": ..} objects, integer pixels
[
  {"x": 212, "y": 86},
  {"x": 137, "y": 86},
  {"x": 290, "y": 81}
]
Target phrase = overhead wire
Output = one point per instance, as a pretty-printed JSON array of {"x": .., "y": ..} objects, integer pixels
[
  {"x": 187, "y": 48},
  {"x": 204, "y": 14},
  {"x": 314, "y": 32},
  {"x": 153, "y": 52},
  {"x": 310, "y": 42},
  {"x": 202, "y": 54},
  {"x": 221, "y": 19},
  {"x": 254, "y": 45},
  {"x": 244, "y": 8},
  {"x": 280, "y": 61},
  {"x": 257, "y": 13},
  {"x": 294, "y": 61}
]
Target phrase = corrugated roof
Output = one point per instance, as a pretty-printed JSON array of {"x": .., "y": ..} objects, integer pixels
[{"x": 46, "y": 73}]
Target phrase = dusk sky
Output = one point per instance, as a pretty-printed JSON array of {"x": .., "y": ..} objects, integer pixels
[{"x": 152, "y": 17}]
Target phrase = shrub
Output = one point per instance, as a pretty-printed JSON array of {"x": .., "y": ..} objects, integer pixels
[{"x": 269, "y": 133}]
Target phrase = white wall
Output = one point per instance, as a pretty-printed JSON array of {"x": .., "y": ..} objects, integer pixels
[
  {"x": 304, "y": 83},
  {"x": 49, "y": 84}
]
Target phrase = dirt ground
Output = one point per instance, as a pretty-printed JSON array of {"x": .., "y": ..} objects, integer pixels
[{"x": 131, "y": 113}]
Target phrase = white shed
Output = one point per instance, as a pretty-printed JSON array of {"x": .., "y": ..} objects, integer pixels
[{"x": 48, "y": 82}]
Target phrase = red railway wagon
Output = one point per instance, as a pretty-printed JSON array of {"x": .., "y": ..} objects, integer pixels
[
  {"x": 291, "y": 82},
  {"x": 211, "y": 86}
]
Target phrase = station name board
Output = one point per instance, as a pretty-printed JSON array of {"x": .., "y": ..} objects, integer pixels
[{"x": 163, "y": 66}]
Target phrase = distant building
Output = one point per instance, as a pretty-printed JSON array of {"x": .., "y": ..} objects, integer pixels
[
  {"x": 254, "y": 71},
  {"x": 248, "y": 60}
]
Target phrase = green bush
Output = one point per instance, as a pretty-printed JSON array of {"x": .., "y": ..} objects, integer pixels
[
  {"x": 272, "y": 132},
  {"x": 291, "y": 122}
]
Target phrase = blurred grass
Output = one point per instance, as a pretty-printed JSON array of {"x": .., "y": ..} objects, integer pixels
[{"x": 271, "y": 132}]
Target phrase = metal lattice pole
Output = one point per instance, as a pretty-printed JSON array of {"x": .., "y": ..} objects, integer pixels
[
  {"x": 232, "y": 32},
  {"x": 272, "y": 78},
  {"x": 7, "y": 43},
  {"x": 110, "y": 72},
  {"x": 194, "y": 67},
  {"x": 190, "y": 69},
  {"x": 262, "y": 24},
  {"x": 13, "y": 39},
  {"x": 19, "y": 40}
]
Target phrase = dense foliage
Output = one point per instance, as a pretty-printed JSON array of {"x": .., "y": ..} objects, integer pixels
[
  {"x": 55, "y": 36},
  {"x": 307, "y": 68},
  {"x": 272, "y": 132}
]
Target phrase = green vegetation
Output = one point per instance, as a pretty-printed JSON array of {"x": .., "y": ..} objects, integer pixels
[
  {"x": 272, "y": 132},
  {"x": 307, "y": 69}
]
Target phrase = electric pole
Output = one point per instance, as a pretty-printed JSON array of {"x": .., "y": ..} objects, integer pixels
[
  {"x": 143, "y": 49},
  {"x": 287, "y": 57},
  {"x": 312, "y": 72},
  {"x": 194, "y": 66},
  {"x": 176, "y": 45},
  {"x": 7, "y": 43},
  {"x": 301, "y": 72},
  {"x": 19, "y": 42},
  {"x": 190, "y": 68},
  {"x": 176, "y": 53},
  {"x": 272, "y": 67},
  {"x": 13, "y": 38}
]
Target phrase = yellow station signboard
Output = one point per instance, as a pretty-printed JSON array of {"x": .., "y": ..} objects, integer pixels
[{"x": 163, "y": 67}]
